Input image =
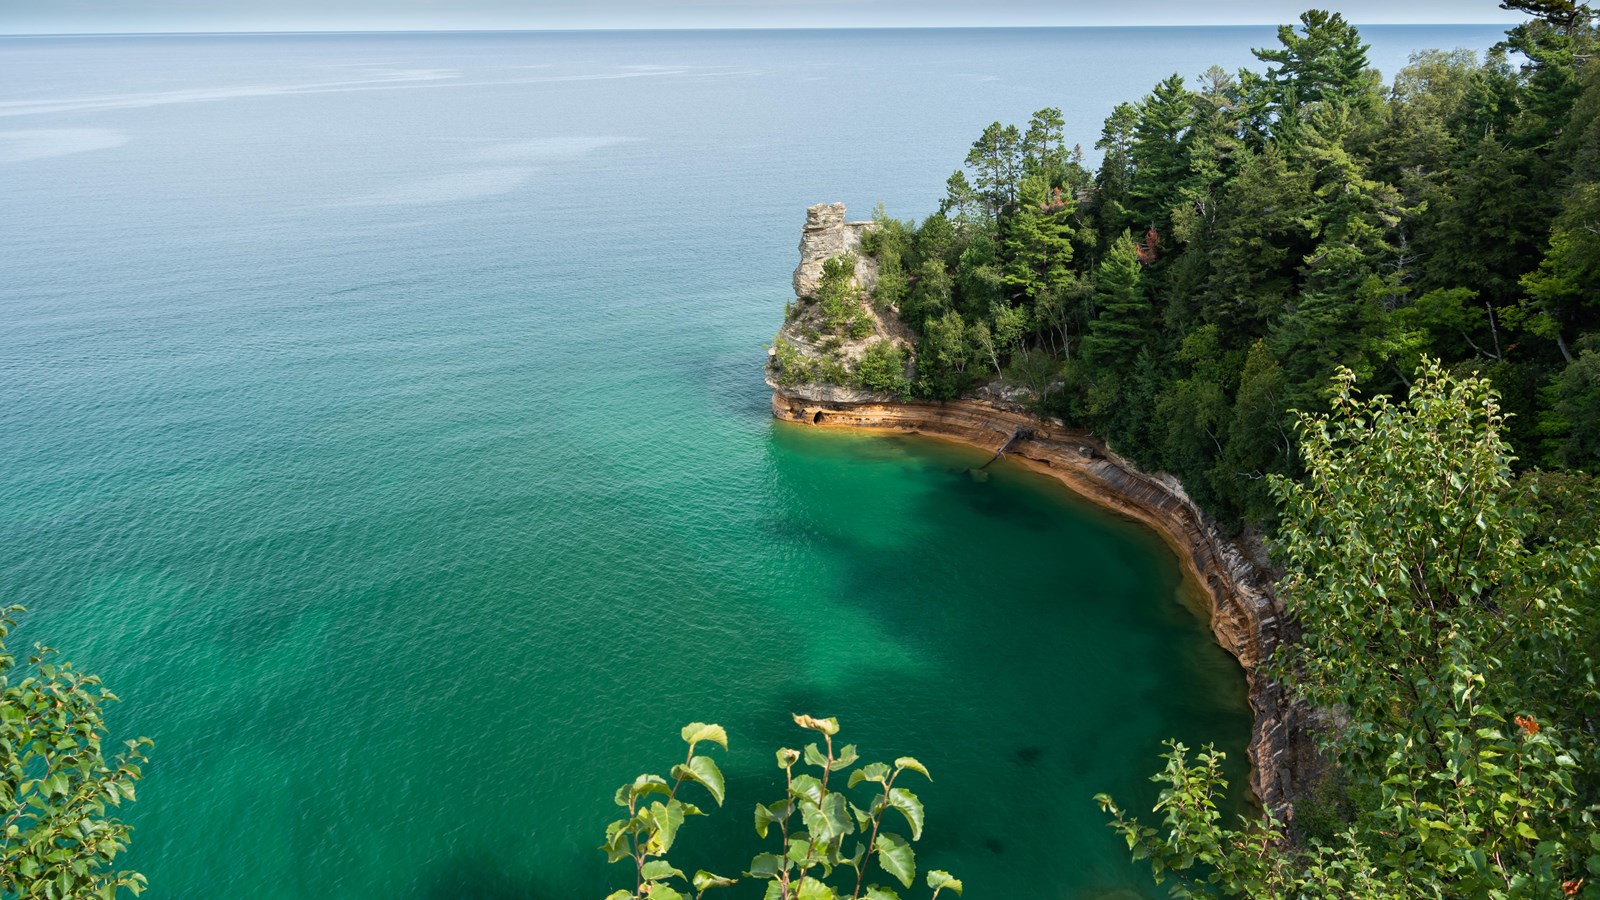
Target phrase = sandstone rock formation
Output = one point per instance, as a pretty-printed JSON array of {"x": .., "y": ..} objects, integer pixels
[
  {"x": 826, "y": 234},
  {"x": 1246, "y": 617}
]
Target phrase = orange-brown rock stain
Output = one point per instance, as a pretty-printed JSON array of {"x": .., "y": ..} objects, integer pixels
[{"x": 1246, "y": 616}]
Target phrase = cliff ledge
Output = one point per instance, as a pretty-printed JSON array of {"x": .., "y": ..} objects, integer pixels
[{"x": 1246, "y": 617}]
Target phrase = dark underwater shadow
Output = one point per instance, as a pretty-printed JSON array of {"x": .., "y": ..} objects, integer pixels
[{"x": 479, "y": 876}]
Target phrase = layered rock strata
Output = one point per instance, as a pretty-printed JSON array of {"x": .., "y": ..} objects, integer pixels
[
  {"x": 1246, "y": 617},
  {"x": 826, "y": 234}
]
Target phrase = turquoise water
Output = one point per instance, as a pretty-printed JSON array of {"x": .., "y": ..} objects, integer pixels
[{"x": 382, "y": 416}]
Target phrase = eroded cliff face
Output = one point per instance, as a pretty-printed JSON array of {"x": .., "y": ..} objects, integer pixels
[
  {"x": 1246, "y": 617},
  {"x": 829, "y": 358},
  {"x": 826, "y": 234}
]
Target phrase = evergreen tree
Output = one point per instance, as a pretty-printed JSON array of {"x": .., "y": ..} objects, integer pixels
[
  {"x": 1123, "y": 320},
  {"x": 1115, "y": 179},
  {"x": 1160, "y": 153},
  {"x": 1572, "y": 423},
  {"x": 1038, "y": 240},
  {"x": 1478, "y": 230},
  {"x": 1044, "y": 147},
  {"x": 1259, "y": 436},
  {"x": 1328, "y": 62},
  {"x": 960, "y": 201},
  {"x": 996, "y": 161},
  {"x": 1214, "y": 145},
  {"x": 1263, "y": 235},
  {"x": 1567, "y": 15},
  {"x": 1349, "y": 278}
]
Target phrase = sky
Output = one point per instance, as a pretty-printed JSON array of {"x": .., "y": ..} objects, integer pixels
[{"x": 103, "y": 16}]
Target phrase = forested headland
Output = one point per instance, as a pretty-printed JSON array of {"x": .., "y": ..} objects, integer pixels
[
  {"x": 1249, "y": 232},
  {"x": 1361, "y": 317}
]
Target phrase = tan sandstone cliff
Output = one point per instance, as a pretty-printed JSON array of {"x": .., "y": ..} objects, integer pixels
[
  {"x": 827, "y": 235},
  {"x": 1246, "y": 617}
]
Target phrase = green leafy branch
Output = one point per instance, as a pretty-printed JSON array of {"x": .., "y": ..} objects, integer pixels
[
  {"x": 824, "y": 833},
  {"x": 56, "y": 840}
]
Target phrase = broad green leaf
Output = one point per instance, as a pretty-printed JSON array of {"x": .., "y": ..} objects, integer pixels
[
  {"x": 908, "y": 762},
  {"x": 649, "y": 784},
  {"x": 896, "y": 857},
  {"x": 862, "y": 816},
  {"x": 657, "y": 869},
  {"x": 705, "y": 881},
  {"x": 695, "y": 732},
  {"x": 812, "y": 889},
  {"x": 767, "y": 815},
  {"x": 766, "y": 865},
  {"x": 910, "y": 807},
  {"x": 799, "y": 851},
  {"x": 939, "y": 880},
  {"x": 829, "y": 727},
  {"x": 847, "y": 757},
  {"x": 620, "y": 895},
  {"x": 829, "y": 821},
  {"x": 702, "y": 770},
  {"x": 666, "y": 820},
  {"x": 871, "y": 772},
  {"x": 806, "y": 787},
  {"x": 616, "y": 845},
  {"x": 879, "y": 892},
  {"x": 814, "y": 756},
  {"x": 658, "y": 891}
]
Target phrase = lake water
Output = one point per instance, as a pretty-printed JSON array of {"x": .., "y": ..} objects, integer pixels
[{"x": 382, "y": 415}]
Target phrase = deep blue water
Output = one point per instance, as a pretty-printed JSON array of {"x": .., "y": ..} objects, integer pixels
[{"x": 383, "y": 416}]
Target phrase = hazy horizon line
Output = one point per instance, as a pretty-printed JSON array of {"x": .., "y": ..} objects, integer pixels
[{"x": 686, "y": 28}]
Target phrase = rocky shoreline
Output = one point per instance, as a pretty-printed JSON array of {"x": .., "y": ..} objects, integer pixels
[{"x": 1246, "y": 616}]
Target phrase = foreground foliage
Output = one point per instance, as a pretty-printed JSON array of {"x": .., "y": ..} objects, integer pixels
[
  {"x": 827, "y": 843},
  {"x": 1453, "y": 640},
  {"x": 57, "y": 841}
]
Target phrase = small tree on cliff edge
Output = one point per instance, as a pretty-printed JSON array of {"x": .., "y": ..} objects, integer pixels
[
  {"x": 56, "y": 840},
  {"x": 1457, "y": 646}
]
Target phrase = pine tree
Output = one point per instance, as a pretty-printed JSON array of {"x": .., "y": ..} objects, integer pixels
[
  {"x": 1327, "y": 63},
  {"x": 1115, "y": 178},
  {"x": 1044, "y": 147},
  {"x": 1038, "y": 239},
  {"x": 1567, "y": 15},
  {"x": 1160, "y": 153},
  {"x": 1123, "y": 322},
  {"x": 996, "y": 161},
  {"x": 1259, "y": 439},
  {"x": 1350, "y": 277},
  {"x": 1262, "y": 235}
]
